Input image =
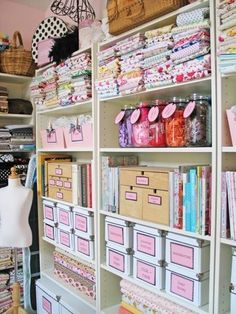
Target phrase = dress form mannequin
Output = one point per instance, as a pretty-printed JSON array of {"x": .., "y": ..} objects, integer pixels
[{"x": 15, "y": 204}]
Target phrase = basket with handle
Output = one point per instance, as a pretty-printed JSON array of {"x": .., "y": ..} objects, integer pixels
[
  {"x": 16, "y": 60},
  {"x": 124, "y": 15}
]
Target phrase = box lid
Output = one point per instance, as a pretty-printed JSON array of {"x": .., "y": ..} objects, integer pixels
[
  {"x": 46, "y": 287},
  {"x": 118, "y": 221},
  {"x": 82, "y": 211},
  {"x": 64, "y": 207},
  {"x": 149, "y": 230},
  {"x": 188, "y": 273},
  {"x": 49, "y": 203},
  {"x": 148, "y": 169},
  {"x": 187, "y": 240},
  {"x": 119, "y": 248}
]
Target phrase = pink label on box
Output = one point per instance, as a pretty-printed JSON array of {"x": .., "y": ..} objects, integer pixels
[
  {"x": 51, "y": 137},
  {"x": 48, "y": 212},
  {"x": 81, "y": 223},
  {"x": 46, "y": 305},
  {"x": 83, "y": 246},
  {"x": 65, "y": 238},
  {"x": 142, "y": 180},
  {"x": 116, "y": 234},
  {"x": 59, "y": 195},
  {"x": 182, "y": 286},
  {"x": 59, "y": 183},
  {"x": 77, "y": 135},
  {"x": 146, "y": 272},
  {"x": 131, "y": 196},
  {"x": 49, "y": 232},
  {"x": 51, "y": 182},
  {"x": 58, "y": 171},
  {"x": 146, "y": 244},
  {"x": 117, "y": 260},
  {"x": 154, "y": 200},
  {"x": 182, "y": 255},
  {"x": 67, "y": 184},
  {"x": 64, "y": 217}
]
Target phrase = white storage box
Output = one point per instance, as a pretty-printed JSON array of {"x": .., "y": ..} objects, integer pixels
[
  {"x": 47, "y": 301},
  {"x": 192, "y": 289},
  {"x": 49, "y": 211},
  {"x": 50, "y": 231},
  {"x": 84, "y": 247},
  {"x": 83, "y": 221},
  {"x": 64, "y": 217},
  {"x": 121, "y": 261},
  {"x": 66, "y": 239},
  {"x": 150, "y": 274},
  {"x": 118, "y": 232},
  {"x": 190, "y": 255},
  {"x": 149, "y": 244}
]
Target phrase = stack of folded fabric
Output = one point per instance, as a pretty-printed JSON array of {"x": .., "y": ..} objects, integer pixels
[
  {"x": 75, "y": 273},
  {"x": 5, "y": 300},
  {"x": 50, "y": 87},
  {"x": 227, "y": 37},
  {"x": 190, "y": 56},
  {"x": 5, "y": 139},
  {"x": 131, "y": 77},
  {"x": 81, "y": 70},
  {"x": 21, "y": 136},
  {"x": 5, "y": 258},
  {"x": 3, "y": 99},
  {"x": 108, "y": 71},
  {"x": 37, "y": 92},
  {"x": 159, "y": 43},
  {"x": 4, "y": 41},
  {"x": 64, "y": 83},
  {"x": 138, "y": 300}
]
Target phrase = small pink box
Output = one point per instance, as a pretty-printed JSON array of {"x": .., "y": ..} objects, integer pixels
[
  {"x": 231, "y": 116},
  {"x": 66, "y": 239},
  {"x": 84, "y": 247},
  {"x": 121, "y": 261},
  {"x": 50, "y": 232},
  {"x": 49, "y": 212},
  {"x": 64, "y": 217},
  {"x": 44, "y": 47},
  {"x": 83, "y": 222},
  {"x": 80, "y": 136},
  {"x": 53, "y": 139}
]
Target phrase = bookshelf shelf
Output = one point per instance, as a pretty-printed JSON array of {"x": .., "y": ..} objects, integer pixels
[
  {"x": 66, "y": 203},
  {"x": 229, "y": 149},
  {"x": 82, "y": 107},
  {"x": 228, "y": 242},
  {"x": 158, "y": 150}
]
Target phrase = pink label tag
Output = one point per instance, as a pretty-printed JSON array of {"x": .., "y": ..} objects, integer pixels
[
  {"x": 135, "y": 116},
  {"x": 182, "y": 286},
  {"x": 65, "y": 238},
  {"x": 67, "y": 184},
  {"x": 182, "y": 255},
  {"x": 116, "y": 234},
  {"x": 146, "y": 244},
  {"x": 77, "y": 135},
  {"x": 131, "y": 196},
  {"x": 59, "y": 195},
  {"x": 116, "y": 260},
  {"x": 58, "y": 171},
  {"x": 52, "y": 138},
  {"x": 168, "y": 111},
  {"x": 64, "y": 217},
  {"x": 59, "y": 183},
  {"x": 48, "y": 212},
  {"x": 146, "y": 272},
  {"x": 142, "y": 180},
  {"x": 49, "y": 232},
  {"x": 153, "y": 114},
  {"x": 189, "y": 109},
  {"x": 81, "y": 223},
  {"x": 51, "y": 182},
  {"x": 154, "y": 200},
  {"x": 119, "y": 117},
  {"x": 83, "y": 246},
  {"x": 47, "y": 305}
]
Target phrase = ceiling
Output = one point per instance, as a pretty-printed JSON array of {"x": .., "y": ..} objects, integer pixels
[{"x": 38, "y": 4}]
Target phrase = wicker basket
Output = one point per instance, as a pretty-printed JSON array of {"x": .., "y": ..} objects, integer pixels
[
  {"x": 16, "y": 60},
  {"x": 124, "y": 15}
]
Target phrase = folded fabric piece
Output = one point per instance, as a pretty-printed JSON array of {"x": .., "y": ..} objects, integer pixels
[
  {"x": 159, "y": 31},
  {"x": 201, "y": 52},
  {"x": 193, "y": 26},
  {"x": 190, "y": 50},
  {"x": 195, "y": 16}
]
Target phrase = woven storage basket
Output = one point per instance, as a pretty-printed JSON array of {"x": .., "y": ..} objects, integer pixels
[
  {"x": 124, "y": 15},
  {"x": 16, "y": 60}
]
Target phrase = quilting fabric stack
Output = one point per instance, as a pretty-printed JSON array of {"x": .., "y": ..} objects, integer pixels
[
  {"x": 190, "y": 55},
  {"x": 227, "y": 37},
  {"x": 5, "y": 300},
  {"x": 37, "y": 92},
  {"x": 5, "y": 258},
  {"x": 3, "y": 99},
  {"x": 75, "y": 273},
  {"x": 131, "y": 77},
  {"x": 108, "y": 71},
  {"x": 20, "y": 135},
  {"x": 81, "y": 70},
  {"x": 135, "y": 298},
  {"x": 64, "y": 83},
  {"x": 5, "y": 139},
  {"x": 4, "y": 41}
]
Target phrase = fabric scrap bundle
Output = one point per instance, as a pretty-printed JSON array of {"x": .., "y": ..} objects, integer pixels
[
  {"x": 64, "y": 83},
  {"x": 5, "y": 138},
  {"x": 3, "y": 99},
  {"x": 37, "y": 92},
  {"x": 50, "y": 87}
]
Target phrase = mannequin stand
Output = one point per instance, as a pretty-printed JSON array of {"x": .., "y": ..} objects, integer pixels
[{"x": 16, "y": 307}]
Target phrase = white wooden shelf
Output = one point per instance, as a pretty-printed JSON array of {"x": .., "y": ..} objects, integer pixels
[
  {"x": 158, "y": 150},
  {"x": 81, "y": 107},
  {"x": 63, "y": 150},
  {"x": 15, "y": 116},
  {"x": 157, "y": 226},
  {"x": 66, "y": 203},
  {"x": 229, "y": 149},
  {"x": 69, "y": 289},
  {"x": 228, "y": 242},
  {"x": 161, "y": 293},
  {"x": 14, "y": 79}
]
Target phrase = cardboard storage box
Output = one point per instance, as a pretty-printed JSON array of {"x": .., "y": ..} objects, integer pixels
[
  {"x": 149, "y": 244},
  {"x": 131, "y": 201},
  {"x": 60, "y": 194},
  {"x": 62, "y": 169},
  {"x": 118, "y": 232},
  {"x": 150, "y": 274},
  {"x": 83, "y": 221},
  {"x": 190, "y": 255},
  {"x": 66, "y": 239},
  {"x": 84, "y": 246},
  {"x": 121, "y": 261},
  {"x": 49, "y": 211},
  {"x": 47, "y": 301},
  {"x": 194, "y": 289},
  {"x": 65, "y": 217},
  {"x": 50, "y": 231}
]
